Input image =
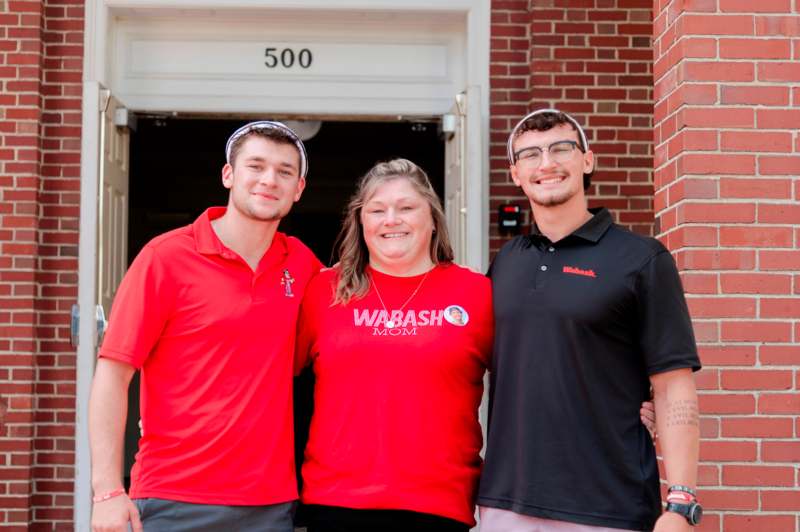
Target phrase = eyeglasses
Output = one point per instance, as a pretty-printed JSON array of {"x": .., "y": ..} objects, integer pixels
[{"x": 560, "y": 152}]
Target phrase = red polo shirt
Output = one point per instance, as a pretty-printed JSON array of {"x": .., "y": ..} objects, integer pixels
[{"x": 214, "y": 342}]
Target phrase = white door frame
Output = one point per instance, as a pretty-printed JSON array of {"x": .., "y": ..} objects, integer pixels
[{"x": 99, "y": 15}]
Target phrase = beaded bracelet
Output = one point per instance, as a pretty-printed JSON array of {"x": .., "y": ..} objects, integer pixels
[
  {"x": 110, "y": 495},
  {"x": 684, "y": 489}
]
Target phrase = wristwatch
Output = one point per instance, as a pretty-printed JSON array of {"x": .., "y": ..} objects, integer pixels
[{"x": 693, "y": 512}]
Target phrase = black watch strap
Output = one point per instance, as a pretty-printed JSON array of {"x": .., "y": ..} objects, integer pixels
[{"x": 693, "y": 512}]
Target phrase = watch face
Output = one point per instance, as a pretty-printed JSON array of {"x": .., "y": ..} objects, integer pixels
[{"x": 696, "y": 514}]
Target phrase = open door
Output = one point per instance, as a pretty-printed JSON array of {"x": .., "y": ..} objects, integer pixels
[
  {"x": 102, "y": 257},
  {"x": 112, "y": 207},
  {"x": 455, "y": 176}
]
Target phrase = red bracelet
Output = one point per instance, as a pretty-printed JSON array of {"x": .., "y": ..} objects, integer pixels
[
  {"x": 110, "y": 495},
  {"x": 680, "y": 496}
]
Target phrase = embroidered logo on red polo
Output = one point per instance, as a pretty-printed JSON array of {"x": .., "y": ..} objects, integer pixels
[{"x": 579, "y": 271}]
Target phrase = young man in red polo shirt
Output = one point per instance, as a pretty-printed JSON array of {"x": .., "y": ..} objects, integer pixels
[{"x": 207, "y": 313}]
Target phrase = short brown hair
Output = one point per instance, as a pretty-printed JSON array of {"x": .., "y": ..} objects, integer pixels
[
  {"x": 275, "y": 135},
  {"x": 548, "y": 120}
]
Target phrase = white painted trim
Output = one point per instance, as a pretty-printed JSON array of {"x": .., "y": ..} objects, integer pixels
[
  {"x": 478, "y": 53},
  {"x": 87, "y": 298},
  {"x": 327, "y": 5},
  {"x": 98, "y": 16}
]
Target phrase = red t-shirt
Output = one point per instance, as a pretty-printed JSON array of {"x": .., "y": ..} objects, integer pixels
[
  {"x": 395, "y": 422},
  {"x": 214, "y": 341}
]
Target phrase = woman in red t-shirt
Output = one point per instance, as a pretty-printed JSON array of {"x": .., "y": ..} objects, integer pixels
[{"x": 399, "y": 338}]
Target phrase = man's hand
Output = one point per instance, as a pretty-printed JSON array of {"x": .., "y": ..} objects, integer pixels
[
  {"x": 672, "y": 522},
  {"x": 647, "y": 413},
  {"x": 113, "y": 515}
]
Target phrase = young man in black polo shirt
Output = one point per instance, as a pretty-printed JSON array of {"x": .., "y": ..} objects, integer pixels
[{"x": 588, "y": 317}]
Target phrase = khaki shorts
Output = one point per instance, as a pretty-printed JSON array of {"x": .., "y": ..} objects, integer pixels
[{"x": 497, "y": 520}]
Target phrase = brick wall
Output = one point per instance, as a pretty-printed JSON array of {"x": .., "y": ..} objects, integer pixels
[
  {"x": 727, "y": 161},
  {"x": 509, "y": 80},
  {"x": 20, "y": 154},
  {"x": 40, "y": 72},
  {"x": 593, "y": 59}
]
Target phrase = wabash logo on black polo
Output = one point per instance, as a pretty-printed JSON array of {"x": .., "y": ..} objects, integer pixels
[{"x": 579, "y": 271}]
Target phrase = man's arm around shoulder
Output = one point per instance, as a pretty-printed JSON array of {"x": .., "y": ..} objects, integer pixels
[
  {"x": 108, "y": 410},
  {"x": 677, "y": 419}
]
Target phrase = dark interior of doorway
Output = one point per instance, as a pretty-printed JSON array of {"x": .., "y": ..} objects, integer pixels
[{"x": 175, "y": 175}]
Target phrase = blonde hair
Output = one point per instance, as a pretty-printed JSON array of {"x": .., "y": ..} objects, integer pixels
[{"x": 351, "y": 249}]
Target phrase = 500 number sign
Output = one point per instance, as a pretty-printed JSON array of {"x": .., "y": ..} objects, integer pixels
[{"x": 287, "y": 57}]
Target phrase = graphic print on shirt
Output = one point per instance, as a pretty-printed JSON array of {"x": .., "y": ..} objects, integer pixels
[
  {"x": 456, "y": 315},
  {"x": 406, "y": 322},
  {"x": 579, "y": 271},
  {"x": 286, "y": 281}
]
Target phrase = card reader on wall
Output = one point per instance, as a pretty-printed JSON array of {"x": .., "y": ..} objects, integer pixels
[{"x": 509, "y": 222}]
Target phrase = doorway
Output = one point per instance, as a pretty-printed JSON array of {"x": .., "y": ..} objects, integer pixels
[{"x": 175, "y": 165}]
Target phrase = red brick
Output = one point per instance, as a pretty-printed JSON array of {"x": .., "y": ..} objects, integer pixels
[
  {"x": 727, "y": 404},
  {"x": 700, "y": 283},
  {"x": 716, "y": 71},
  {"x": 780, "y": 308},
  {"x": 761, "y": 188},
  {"x": 718, "y": 259},
  {"x": 776, "y": 118},
  {"x": 700, "y": 94},
  {"x": 748, "y": 379},
  {"x": 779, "y": 403},
  {"x": 756, "y": 141},
  {"x": 706, "y": 474},
  {"x": 721, "y": 499},
  {"x": 781, "y": 213},
  {"x": 717, "y": 25},
  {"x": 755, "y": 49},
  {"x": 755, "y": 283},
  {"x": 716, "y": 307},
  {"x": 715, "y": 164},
  {"x": 757, "y": 475},
  {"x": 777, "y": 165},
  {"x": 727, "y": 451},
  {"x": 778, "y": 25},
  {"x": 764, "y": 237},
  {"x": 762, "y": 6},
  {"x": 781, "y": 451},
  {"x": 716, "y": 213},
  {"x": 753, "y": 523},
  {"x": 780, "y": 355},
  {"x": 750, "y": 95},
  {"x": 780, "y": 72},
  {"x": 707, "y": 379},
  {"x": 730, "y": 355},
  {"x": 717, "y": 117},
  {"x": 756, "y": 331},
  {"x": 777, "y": 500}
]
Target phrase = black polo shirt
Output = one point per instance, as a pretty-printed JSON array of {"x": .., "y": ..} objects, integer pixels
[{"x": 580, "y": 325}]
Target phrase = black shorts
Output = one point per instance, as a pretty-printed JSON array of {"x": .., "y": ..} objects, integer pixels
[{"x": 337, "y": 519}]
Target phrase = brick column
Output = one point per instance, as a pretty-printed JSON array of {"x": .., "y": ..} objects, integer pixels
[
  {"x": 727, "y": 110},
  {"x": 57, "y": 264},
  {"x": 40, "y": 77},
  {"x": 20, "y": 153}
]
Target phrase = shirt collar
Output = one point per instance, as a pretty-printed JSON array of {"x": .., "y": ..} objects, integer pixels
[
  {"x": 593, "y": 230},
  {"x": 208, "y": 243}
]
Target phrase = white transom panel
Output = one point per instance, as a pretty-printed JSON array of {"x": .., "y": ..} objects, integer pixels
[{"x": 280, "y": 62}]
